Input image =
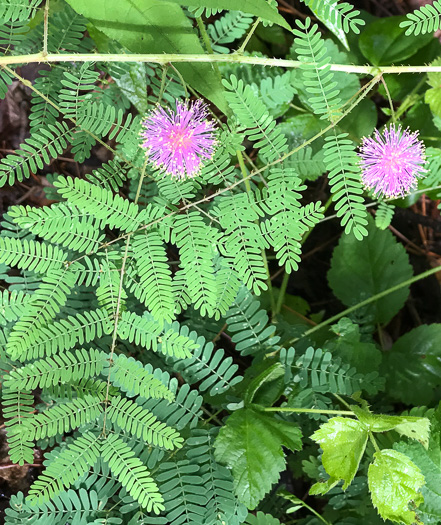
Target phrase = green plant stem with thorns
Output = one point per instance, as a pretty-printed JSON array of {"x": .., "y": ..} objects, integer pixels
[{"x": 167, "y": 58}]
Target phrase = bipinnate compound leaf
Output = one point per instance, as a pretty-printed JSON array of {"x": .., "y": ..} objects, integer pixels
[
  {"x": 394, "y": 483},
  {"x": 251, "y": 445},
  {"x": 417, "y": 428},
  {"x": 361, "y": 269},
  {"x": 343, "y": 441},
  {"x": 149, "y": 26},
  {"x": 413, "y": 365}
]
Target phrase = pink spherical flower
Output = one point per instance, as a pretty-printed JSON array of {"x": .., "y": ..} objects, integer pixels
[
  {"x": 392, "y": 161},
  {"x": 179, "y": 141}
]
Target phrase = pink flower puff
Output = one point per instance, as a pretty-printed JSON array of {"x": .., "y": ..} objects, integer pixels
[
  {"x": 392, "y": 162},
  {"x": 178, "y": 142}
]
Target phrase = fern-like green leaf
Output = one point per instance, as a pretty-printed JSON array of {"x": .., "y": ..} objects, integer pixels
[
  {"x": 46, "y": 144},
  {"x": 344, "y": 180},
  {"x": 13, "y": 305},
  {"x": 230, "y": 27},
  {"x": 194, "y": 240},
  {"x": 340, "y": 15},
  {"x": 253, "y": 116},
  {"x": 222, "y": 505},
  {"x": 45, "y": 304},
  {"x": 64, "y": 417},
  {"x": 130, "y": 376},
  {"x": 115, "y": 211},
  {"x": 16, "y": 10},
  {"x": 71, "y": 463},
  {"x": 243, "y": 243},
  {"x": 31, "y": 255},
  {"x": 426, "y": 19},
  {"x": 60, "y": 224},
  {"x": 17, "y": 410},
  {"x": 133, "y": 475},
  {"x": 384, "y": 215},
  {"x": 284, "y": 232},
  {"x": 143, "y": 424},
  {"x": 183, "y": 490},
  {"x": 64, "y": 334},
  {"x": 58, "y": 368},
  {"x": 216, "y": 373},
  {"x": 318, "y": 77},
  {"x": 155, "y": 275},
  {"x": 249, "y": 324},
  {"x": 325, "y": 373}
]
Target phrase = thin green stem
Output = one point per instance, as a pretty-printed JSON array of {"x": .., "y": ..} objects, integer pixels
[
  {"x": 282, "y": 292},
  {"x": 166, "y": 58},
  {"x": 248, "y": 37},
  {"x": 389, "y": 98},
  {"x": 118, "y": 303},
  {"x": 408, "y": 101},
  {"x": 162, "y": 87},
  {"x": 207, "y": 43},
  {"x": 309, "y": 411},
  {"x": 372, "y": 299},
  {"x": 374, "y": 442}
]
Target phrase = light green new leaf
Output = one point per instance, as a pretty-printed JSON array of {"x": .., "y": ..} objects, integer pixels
[
  {"x": 343, "y": 442},
  {"x": 251, "y": 445},
  {"x": 152, "y": 26},
  {"x": 259, "y": 8},
  {"x": 361, "y": 269},
  {"x": 413, "y": 427},
  {"x": 394, "y": 481},
  {"x": 429, "y": 461}
]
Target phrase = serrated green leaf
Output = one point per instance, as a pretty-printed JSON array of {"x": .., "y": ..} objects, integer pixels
[
  {"x": 251, "y": 445},
  {"x": 343, "y": 441},
  {"x": 394, "y": 483},
  {"x": 413, "y": 427},
  {"x": 413, "y": 365},
  {"x": 429, "y": 462},
  {"x": 149, "y": 26},
  {"x": 361, "y": 269}
]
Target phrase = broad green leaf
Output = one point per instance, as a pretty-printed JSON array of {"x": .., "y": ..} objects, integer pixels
[
  {"x": 383, "y": 42},
  {"x": 259, "y": 8},
  {"x": 361, "y": 269},
  {"x": 429, "y": 462},
  {"x": 251, "y": 445},
  {"x": 153, "y": 26},
  {"x": 413, "y": 365},
  {"x": 394, "y": 483},
  {"x": 272, "y": 374},
  {"x": 413, "y": 427},
  {"x": 343, "y": 441},
  {"x": 364, "y": 357}
]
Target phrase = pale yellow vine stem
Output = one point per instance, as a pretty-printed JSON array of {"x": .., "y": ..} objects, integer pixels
[
  {"x": 45, "y": 27},
  {"x": 169, "y": 58}
]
